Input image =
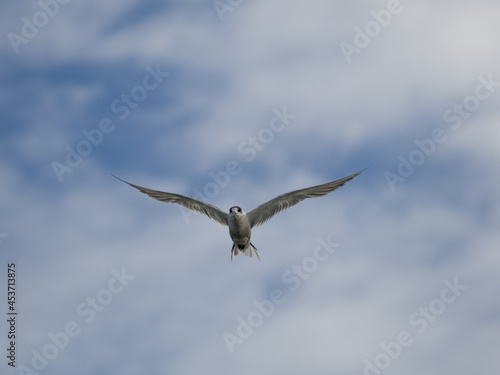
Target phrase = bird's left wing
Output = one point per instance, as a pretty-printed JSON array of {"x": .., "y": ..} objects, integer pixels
[
  {"x": 267, "y": 210},
  {"x": 192, "y": 204}
]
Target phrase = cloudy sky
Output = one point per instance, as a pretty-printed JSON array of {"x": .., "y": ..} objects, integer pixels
[{"x": 236, "y": 102}]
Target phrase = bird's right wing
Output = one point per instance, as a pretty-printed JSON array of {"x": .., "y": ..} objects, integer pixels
[
  {"x": 267, "y": 210},
  {"x": 192, "y": 204}
]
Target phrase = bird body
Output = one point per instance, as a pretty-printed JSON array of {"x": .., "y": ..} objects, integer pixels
[
  {"x": 240, "y": 232},
  {"x": 239, "y": 222}
]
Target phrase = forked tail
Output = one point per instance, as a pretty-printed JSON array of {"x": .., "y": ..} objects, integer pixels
[{"x": 249, "y": 251}]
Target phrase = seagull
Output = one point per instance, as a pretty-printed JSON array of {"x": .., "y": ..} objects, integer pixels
[{"x": 240, "y": 223}]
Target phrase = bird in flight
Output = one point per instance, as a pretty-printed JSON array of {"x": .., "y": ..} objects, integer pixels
[{"x": 240, "y": 223}]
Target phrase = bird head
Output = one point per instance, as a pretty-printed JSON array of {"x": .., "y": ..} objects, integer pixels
[{"x": 235, "y": 210}]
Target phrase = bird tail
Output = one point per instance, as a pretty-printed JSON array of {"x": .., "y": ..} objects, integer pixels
[{"x": 249, "y": 251}]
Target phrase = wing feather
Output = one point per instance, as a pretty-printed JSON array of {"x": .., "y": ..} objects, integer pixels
[
  {"x": 192, "y": 204},
  {"x": 282, "y": 202}
]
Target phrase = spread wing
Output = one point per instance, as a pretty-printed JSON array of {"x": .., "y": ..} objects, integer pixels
[
  {"x": 192, "y": 204},
  {"x": 267, "y": 210}
]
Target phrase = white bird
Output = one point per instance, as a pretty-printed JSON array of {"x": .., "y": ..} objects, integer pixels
[{"x": 241, "y": 223}]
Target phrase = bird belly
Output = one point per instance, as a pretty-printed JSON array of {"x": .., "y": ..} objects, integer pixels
[{"x": 240, "y": 232}]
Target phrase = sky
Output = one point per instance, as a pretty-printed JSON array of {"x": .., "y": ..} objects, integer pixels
[{"x": 235, "y": 102}]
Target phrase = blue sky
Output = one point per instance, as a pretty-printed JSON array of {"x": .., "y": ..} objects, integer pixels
[{"x": 238, "y": 101}]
